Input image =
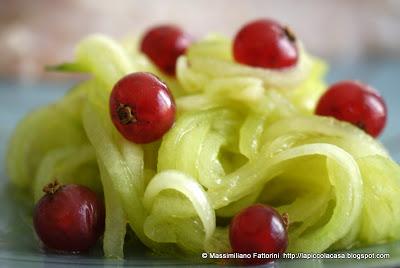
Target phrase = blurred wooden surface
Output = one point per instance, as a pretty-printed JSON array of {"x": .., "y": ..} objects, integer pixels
[{"x": 34, "y": 33}]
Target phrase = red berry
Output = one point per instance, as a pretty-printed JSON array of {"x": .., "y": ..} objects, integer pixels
[
  {"x": 142, "y": 107},
  {"x": 69, "y": 218},
  {"x": 356, "y": 103},
  {"x": 265, "y": 43},
  {"x": 164, "y": 44},
  {"x": 258, "y": 229}
]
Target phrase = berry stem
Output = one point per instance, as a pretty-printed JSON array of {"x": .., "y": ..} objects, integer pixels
[{"x": 52, "y": 187}]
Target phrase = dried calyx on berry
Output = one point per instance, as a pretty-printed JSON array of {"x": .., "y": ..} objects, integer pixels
[{"x": 52, "y": 187}]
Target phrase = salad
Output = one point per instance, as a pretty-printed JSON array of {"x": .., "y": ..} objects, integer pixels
[{"x": 211, "y": 145}]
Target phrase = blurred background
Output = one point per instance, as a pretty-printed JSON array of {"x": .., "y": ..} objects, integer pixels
[{"x": 39, "y": 32}]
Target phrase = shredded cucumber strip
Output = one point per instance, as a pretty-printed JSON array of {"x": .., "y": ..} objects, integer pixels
[
  {"x": 67, "y": 165},
  {"x": 41, "y": 131},
  {"x": 115, "y": 225},
  {"x": 246, "y": 89},
  {"x": 124, "y": 179},
  {"x": 212, "y": 46},
  {"x": 306, "y": 95},
  {"x": 216, "y": 63},
  {"x": 191, "y": 81},
  {"x": 348, "y": 189},
  {"x": 172, "y": 179},
  {"x": 381, "y": 185},
  {"x": 199, "y": 137},
  {"x": 352, "y": 139},
  {"x": 105, "y": 59},
  {"x": 126, "y": 173},
  {"x": 284, "y": 79}
]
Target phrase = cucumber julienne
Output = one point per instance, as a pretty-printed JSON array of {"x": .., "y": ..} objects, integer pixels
[{"x": 243, "y": 135}]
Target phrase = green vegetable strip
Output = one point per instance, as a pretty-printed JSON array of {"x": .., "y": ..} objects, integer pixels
[
  {"x": 306, "y": 95},
  {"x": 250, "y": 133},
  {"x": 245, "y": 89},
  {"x": 133, "y": 155},
  {"x": 234, "y": 207},
  {"x": 352, "y": 139},
  {"x": 381, "y": 213},
  {"x": 190, "y": 145},
  {"x": 199, "y": 137},
  {"x": 212, "y": 46},
  {"x": 209, "y": 168},
  {"x": 219, "y": 242},
  {"x": 302, "y": 190},
  {"x": 108, "y": 62},
  {"x": 193, "y": 103},
  {"x": 348, "y": 189},
  {"x": 193, "y": 191},
  {"x": 279, "y": 79},
  {"x": 124, "y": 179},
  {"x": 68, "y": 165},
  {"x": 41, "y": 131},
  {"x": 115, "y": 225},
  {"x": 345, "y": 177},
  {"x": 191, "y": 81},
  {"x": 105, "y": 59}
]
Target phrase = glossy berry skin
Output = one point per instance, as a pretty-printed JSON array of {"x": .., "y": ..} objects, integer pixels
[
  {"x": 71, "y": 219},
  {"x": 265, "y": 43},
  {"x": 164, "y": 44},
  {"x": 258, "y": 228},
  {"x": 142, "y": 107},
  {"x": 356, "y": 103}
]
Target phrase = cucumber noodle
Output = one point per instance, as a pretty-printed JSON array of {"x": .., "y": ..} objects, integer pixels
[{"x": 243, "y": 135}]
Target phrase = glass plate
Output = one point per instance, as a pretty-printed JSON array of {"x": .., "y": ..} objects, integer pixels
[{"x": 19, "y": 248}]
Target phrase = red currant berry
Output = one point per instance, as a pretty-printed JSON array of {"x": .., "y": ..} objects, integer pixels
[
  {"x": 355, "y": 103},
  {"x": 142, "y": 107},
  {"x": 69, "y": 218},
  {"x": 258, "y": 229},
  {"x": 164, "y": 44},
  {"x": 265, "y": 43}
]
